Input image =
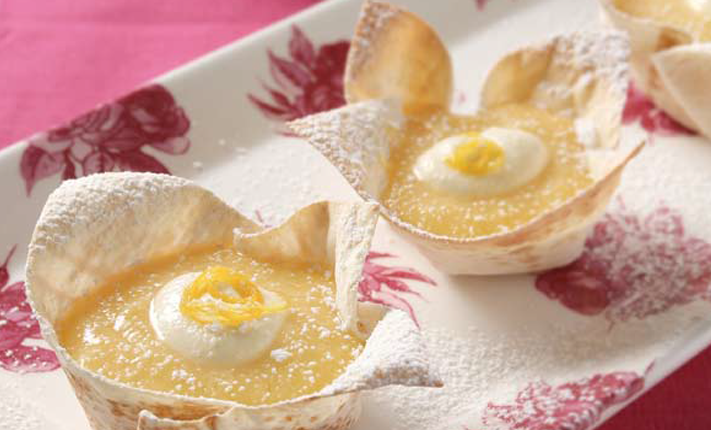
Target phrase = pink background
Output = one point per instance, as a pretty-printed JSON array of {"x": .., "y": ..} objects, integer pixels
[{"x": 59, "y": 58}]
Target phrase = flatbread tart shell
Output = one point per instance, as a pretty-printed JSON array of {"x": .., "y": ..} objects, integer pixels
[
  {"x": 582, "y": 76},
  {"x": 98, "y": 226},
  {"x": 669, "y": 65}
]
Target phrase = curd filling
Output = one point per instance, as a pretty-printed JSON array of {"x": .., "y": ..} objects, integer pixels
[
  {"x": 692, "y": 16},
  {"x": 214, "y": 323},
  {"x": 471, "y": 176}
]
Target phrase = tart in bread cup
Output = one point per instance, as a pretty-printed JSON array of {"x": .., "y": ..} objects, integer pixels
[
  {"x": 93, "y": 228},
  {"x": 669, "y": 61},
  {"x": 399, "y": 72}
]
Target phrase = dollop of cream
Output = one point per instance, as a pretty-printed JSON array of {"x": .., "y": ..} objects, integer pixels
[
  {"x": 524, "y": 158},
  {"x": 214, "y": 344}
]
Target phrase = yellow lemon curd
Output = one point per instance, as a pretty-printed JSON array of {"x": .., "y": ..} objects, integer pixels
[
  {"x": 110, "y": 332},
  {"x": 458, "y": 216},
  {"x": 477, "y": 156},
  {"x": 692, "y": 16}
]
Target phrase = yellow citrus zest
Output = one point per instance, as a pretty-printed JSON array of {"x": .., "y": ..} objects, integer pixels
[
  {"x": 246, "y": 304},
  {"x": 477, "y": 156}
]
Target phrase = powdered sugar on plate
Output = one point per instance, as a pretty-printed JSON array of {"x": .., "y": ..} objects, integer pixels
[{"x": 479, "y": 367}]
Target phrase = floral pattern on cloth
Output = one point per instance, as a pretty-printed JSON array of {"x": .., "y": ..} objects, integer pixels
[
  {"x": 112, "y": 137},
  {"x": 571, "y": 406},
  {"x": 18, "y": 326},
  {"x": 385, "y": 285},
  {"x": 632, "y": 267},
  {"x": 641, "y": 108},
  {"x": 309, "y": 80}
]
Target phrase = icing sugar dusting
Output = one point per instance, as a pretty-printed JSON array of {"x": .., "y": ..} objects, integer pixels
[
  {"x": 380, "y": 365},
  {"x": 573, "y": 405},
  {"x": 65, "y": 212},
  {"x": 355, "y": 139},
  {"x": 585, "y": 132},
  {"x": 373, "y": 18},
  {"x": 479, "y": 368},
  {"x": 18, "y": 412},
  {"x": 598, "y": 56},
  {"x": 633, "y": 266},
  {"x": 280, "y": 355}
]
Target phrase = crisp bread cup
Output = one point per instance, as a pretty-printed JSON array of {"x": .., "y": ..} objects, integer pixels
[
  {"x": 102, "y": 225},
  {"x": 393, "y": 57},
  {"x": 668, "y": 64}
]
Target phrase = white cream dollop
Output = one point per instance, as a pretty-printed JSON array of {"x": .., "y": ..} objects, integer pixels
[
  {"x": 213, "y": 344},
  {"x": 525, "y": 157}
]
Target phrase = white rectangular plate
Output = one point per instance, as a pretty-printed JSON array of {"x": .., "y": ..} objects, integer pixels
[{"x": 564, "y": 349}]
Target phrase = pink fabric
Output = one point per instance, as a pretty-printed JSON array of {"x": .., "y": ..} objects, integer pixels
[{"x": 59, "y": 58}]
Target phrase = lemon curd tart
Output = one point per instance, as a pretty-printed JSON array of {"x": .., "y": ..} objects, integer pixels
[
  {"x": 463, "y": 176},
  {"x": 268, "y": 334},
  {"x": 671, "y": 54},
  {"x": 169, "y": 309},
  {"x": 511, "y": 188}
]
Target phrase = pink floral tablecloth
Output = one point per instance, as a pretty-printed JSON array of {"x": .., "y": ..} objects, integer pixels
[{"x": 61, "y": 57}]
